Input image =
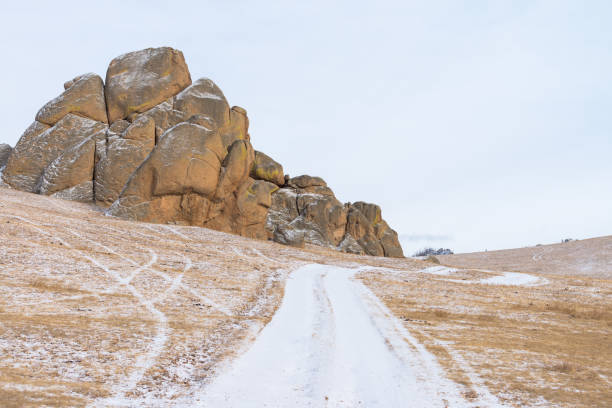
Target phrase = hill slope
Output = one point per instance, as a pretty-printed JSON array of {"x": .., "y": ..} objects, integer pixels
[
  {"x": 94, "y": 307},
  {"x": 587, "y": 257},
  {"x": 97, "y": 311}
]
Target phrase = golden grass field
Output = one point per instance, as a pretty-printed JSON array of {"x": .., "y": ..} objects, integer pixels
[
  {"x": 548, "y": 343},
  {"x": 587, "y": 257},
  {"x": 93, "y": 307},
  {"x": 95, "y": 310}
]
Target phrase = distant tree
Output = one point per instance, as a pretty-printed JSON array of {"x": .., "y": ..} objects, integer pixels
[{"x": 432, "y": 251}]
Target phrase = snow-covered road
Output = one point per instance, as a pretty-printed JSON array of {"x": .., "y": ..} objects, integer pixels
[{"x": 332, "y": 343}]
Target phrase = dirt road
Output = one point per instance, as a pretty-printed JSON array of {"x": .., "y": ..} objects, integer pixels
[{"x": 333, "y": 343}]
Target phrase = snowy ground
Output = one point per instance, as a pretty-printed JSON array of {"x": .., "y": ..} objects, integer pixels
[
  {"x": 494, "y": 278},
  {"x": 101, "y": 312},
  {"x": 530, "y": 340},
  {"x": 586, "y": 257},
  {"x": 332, "y": 343}
]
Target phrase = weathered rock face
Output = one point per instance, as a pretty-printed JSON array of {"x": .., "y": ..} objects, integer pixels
[
  {"x": 118, "y": 155},
  {"x": 190, "y": 178},
  {"x": 203, "y": 97},
  {"x": 138, "y": 81},
  {"x": 306, "y": 209},
  {"x": 84, "y": 96},
  {"x": 149, "y": 145},
  {"x": 44, "y": 152},
  {"x": 264, "y": 168},
  {"x": 5, "y": 152},
  {"x": 187, "y": 161}
]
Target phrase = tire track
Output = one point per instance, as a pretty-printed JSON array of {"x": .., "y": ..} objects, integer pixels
[{"x": 143, "y": 362}]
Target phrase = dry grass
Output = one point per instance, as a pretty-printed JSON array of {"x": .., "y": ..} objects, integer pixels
[
  {"x": 544, "y": 345},
  {"x": 70, "y": 333},
  {"x": 562, "y": 367},
  {"x": 584, "y": 258}
]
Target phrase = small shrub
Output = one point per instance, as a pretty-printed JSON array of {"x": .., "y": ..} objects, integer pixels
[{"x": 431, "y": 251}]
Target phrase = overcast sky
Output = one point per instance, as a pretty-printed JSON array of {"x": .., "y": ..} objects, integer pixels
[{"x": 475, "y": 125}]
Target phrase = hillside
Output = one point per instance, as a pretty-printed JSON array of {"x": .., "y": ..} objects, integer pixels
[
  {"x": 99, "y": 311},
  {"x": 586, "y": 257},
  {"x": 95, "y": 307}
]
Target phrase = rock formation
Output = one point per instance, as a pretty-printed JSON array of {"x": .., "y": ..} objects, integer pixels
[
  {"x": 5, "y": 152},
  {"x": 148, "y": 144}
]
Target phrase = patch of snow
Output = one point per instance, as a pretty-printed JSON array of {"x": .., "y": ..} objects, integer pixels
[
  {"x": 332, "y": 343},
  {"x": 513, "y": 279},
  {"x": 204, "y": 95},
  {"x": 159, "y": 273},
  {"x": 438, "y": 270}
]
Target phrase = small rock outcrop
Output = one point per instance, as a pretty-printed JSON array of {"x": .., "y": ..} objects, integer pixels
[
  {"x": 265, "y": 168},
  {"x": 83, "y": 95},
  {"x": 150, "y": 145},
  {"x": 140, "y": 80},
  {"x": 307, "y": 210}
]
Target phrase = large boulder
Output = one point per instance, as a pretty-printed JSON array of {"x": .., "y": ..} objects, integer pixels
[
  {"x": 152, "y": 146},
  {"x": 390, "y": 242},
  {"x": 204, "y": 97},
  {"x": 84, "y": 96},
  {"x": 187, "y": 160},
  {"x": 306, "y": 209},
  {"x": 237, "y": 128},
  {"x": 5, "y": 152},
  {"x": 362, "y": 230},
  {"x": 287, "y": 235},
  {"x": 305, "y": 181},
  {"x": 164, "y": 116},
  {"x": 253, "y": 200},
  {"x": 125, "y": 147},
  {"x": 318, "y": 215},
  {"x": 20, "y": 172},
  {"x": 324, "y": 216},
  {"x": 265, "y": 168},
  {"x": 139, "y": 80},
  {"x": 234, "y": 185},
  {"x": 73, "y": 167},
  {"x": 236, "y": 168},
  {"x": 350, "y": 245},
  {"x": 365, "y": 224},
  {"x": 190, "y": 178},
  {"x": 204, "y": 101},
  {"x": 387, "y": 237},
  {"x": 41, "y": 145}
]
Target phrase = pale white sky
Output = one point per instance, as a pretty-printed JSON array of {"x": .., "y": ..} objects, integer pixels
[{"x": 477, "y": 124}]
